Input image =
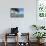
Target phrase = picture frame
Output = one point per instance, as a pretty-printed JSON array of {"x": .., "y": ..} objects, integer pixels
[{"x": 17, "y": 12}]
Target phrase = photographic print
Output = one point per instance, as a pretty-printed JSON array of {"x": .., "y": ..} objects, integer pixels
[{"x": 17, "y": 12}]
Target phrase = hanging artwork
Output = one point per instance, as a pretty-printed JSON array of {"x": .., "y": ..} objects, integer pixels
[
  {"x": 41, "y": 12},
  {"x": 16, "y": 12},
  {"x": 41, "y": 8}
]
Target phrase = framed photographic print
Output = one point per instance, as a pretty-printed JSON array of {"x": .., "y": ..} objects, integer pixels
[{"x": 16, "y": 12}]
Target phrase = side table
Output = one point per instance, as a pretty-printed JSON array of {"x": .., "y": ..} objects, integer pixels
[{"x": 8, "y": 34}]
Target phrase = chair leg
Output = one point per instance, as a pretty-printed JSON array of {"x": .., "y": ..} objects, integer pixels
[
  {"x": 5, "y": 43},
  {"x": 17, "y": 39}
]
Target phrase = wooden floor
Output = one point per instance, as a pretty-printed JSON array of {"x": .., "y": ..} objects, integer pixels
[{"x": 13, "y": 44}]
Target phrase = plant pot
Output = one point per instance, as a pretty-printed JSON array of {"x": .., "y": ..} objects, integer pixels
[{"x": 40, "y": 41}]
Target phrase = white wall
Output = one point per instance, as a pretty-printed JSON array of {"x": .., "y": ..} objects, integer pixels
[{"x": 23, "y": 23}]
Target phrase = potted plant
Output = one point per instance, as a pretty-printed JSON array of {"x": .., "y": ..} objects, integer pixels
[{"x": 39, "y": 35}]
